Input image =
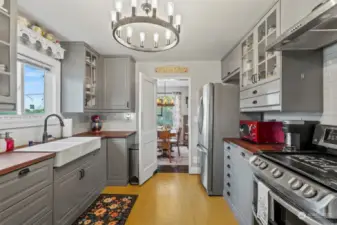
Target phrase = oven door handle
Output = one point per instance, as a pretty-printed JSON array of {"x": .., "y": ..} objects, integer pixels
[{"x": 295, "y": 211}]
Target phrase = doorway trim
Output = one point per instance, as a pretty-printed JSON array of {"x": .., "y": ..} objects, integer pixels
[{"x": 191, "y": 170}]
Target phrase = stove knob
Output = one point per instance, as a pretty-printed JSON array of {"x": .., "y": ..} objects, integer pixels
[
  {"x": 296, "y": 184},
  {"x": 277, "y": 174},
  {"x": 263, "y": 165},
  {"x": 309, "y": 192}
]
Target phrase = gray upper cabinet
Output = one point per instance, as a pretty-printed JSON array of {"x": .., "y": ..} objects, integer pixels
[
  {"x": 278, "y": 81},
  {"x": 230, "y": 64},
  {"x": 8, "y": 51},
  {"x": 119, "y": 85},
  {"x": 80, "y": 75},
  {"x": 292, "y": 11}
]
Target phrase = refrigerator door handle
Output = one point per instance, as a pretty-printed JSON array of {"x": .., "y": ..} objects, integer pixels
[{"x": 201, "y": 115}]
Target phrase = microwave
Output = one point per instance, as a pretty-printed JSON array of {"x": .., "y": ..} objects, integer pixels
[{"x": 261, "y": 132}]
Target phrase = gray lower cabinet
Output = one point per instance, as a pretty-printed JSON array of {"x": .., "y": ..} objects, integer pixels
[
  {"x": 76, "y": 186},
  {"x": 26, "y": 195},
  {"x": 238, "y": 190},
  {"x": 118, "y": 160}
]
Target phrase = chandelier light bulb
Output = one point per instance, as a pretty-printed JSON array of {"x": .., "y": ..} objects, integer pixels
[
  {"x": 129, "y": 32},
  {"x": 178, "y": 19},
  {"x": 119, "y": 6},
  {"x": 170, "y": 8},
  {"x": 156, "y": 37},
  {"x": 154, "y": 4},
  {"x": 168, "y": 34},
  {"x": 133, "y": 3},
  {"x": 113, "y": 16},
  {"x": 142, "y": 36}
]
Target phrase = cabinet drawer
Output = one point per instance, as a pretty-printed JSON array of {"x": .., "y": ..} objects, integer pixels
[
  {"x": 46, "y": 220},
  {"x": 22, "y": 183},
  {"x": 264, "y": 100},
  {"x": 30, "y": 210},
  {"x": 264, "y": 89}
]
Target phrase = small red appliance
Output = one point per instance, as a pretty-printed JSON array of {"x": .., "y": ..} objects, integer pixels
[{"x": 261, "y": 132}]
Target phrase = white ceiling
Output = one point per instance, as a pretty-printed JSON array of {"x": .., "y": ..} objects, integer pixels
[{"x": 210, "y": 28}]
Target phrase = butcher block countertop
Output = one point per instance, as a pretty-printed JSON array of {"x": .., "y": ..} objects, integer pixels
[
  {"x": 107, "y": 134},
  {"x": 254, "y": 148},
  {"x": 12, "y": 161}
]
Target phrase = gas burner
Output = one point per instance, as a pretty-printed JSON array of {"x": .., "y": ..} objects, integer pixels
[{"x": 320, "y": 163}]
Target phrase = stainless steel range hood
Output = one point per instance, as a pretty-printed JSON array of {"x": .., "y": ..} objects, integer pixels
[{"x": 315, "y": 31}]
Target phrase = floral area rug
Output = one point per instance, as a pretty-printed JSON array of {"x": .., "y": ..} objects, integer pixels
[{"x": 108, "y": 209}]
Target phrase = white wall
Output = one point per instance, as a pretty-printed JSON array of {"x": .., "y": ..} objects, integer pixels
[
  {"x": 200, "y": 73},
  {"x": 184, "y": 93}
]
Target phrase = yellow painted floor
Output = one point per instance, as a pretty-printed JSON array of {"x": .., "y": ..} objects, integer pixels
[{"x": 175, "y": 199}]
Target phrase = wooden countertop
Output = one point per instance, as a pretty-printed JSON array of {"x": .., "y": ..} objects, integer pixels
[
  {"x": 107, "y": 134},
  {"x": 12, "y": 161},
  {"x": 254, "y": 148}
]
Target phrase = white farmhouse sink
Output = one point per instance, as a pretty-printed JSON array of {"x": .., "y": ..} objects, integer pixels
[{"x": 67, "y": 150}]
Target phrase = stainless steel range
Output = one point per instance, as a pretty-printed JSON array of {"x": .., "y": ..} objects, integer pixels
[{"x": 301, "y": 186}]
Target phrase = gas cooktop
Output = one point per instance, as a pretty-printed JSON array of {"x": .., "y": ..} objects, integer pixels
[{"x": 321, "y": 167}]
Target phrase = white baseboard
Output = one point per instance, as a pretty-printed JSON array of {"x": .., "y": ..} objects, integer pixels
[{"x": 194, "y": 170}]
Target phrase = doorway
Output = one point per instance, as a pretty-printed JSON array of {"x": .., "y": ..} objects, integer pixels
[{"x": 173, "y": 127}]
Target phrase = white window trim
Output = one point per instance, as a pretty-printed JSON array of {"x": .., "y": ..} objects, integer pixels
[{"x": 52, "y": 96}]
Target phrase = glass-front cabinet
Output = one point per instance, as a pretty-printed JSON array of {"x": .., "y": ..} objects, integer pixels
[
  {"x": 7, "y": 54},
  {"x": 259, "y": 66},
  {"x": 248, "y": 61},
  {"x": 90, "y": 100}
]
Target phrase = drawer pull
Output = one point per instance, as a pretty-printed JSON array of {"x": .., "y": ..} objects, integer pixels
[
  {"x": 228, "y": 157},
  {"x": 81, "y": 174},
  {"x": 228, "y": 175},
  {"x": 24, "y": 172},
  {"x": 243, "y": 154},
  {"x": 228, "y": 166},
  {"x": 228, "y": 148},
  {"x": 255, "y": 92},
  {"x": 228, "y": 184},
  {"x": 255, "y": 102},
  {"x": 228, "y": 193}
]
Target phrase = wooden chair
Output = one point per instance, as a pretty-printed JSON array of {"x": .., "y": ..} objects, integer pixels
[
  {"x": 164, "y": 142},
  {"x": 176, "y": 141}
]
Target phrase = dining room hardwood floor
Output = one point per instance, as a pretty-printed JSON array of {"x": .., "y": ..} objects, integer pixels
[{"x": 175, "y": 198}]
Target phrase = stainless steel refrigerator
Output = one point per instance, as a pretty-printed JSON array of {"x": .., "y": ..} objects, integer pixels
[{"x": 218, "y": 117}]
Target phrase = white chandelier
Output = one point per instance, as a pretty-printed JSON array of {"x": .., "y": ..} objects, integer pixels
[{"x": 124, "y": 28}]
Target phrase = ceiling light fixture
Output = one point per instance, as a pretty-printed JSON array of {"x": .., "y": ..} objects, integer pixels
[{"x": 124, "y": 28}]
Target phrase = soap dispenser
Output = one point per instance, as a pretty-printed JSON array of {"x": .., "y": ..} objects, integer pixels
[{"x": 9, "y": 142}]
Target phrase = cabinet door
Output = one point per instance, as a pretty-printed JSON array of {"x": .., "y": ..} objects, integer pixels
[
  {"x": 224, "y": 68},
  {"x": 248, "y": 60},
  {"x": 244, "y": 186},
  {"x": 293, "y": 11},
  {"x": 117, "y": 84},
  {"x": 8, "y": 50},
  {"x": 235, "y": 59},
  {"x": 118, "y": 161}
]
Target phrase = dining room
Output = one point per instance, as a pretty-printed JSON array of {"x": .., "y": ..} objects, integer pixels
[{"x": 172, "y": 125}]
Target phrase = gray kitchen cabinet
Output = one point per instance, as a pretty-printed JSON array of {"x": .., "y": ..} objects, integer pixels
[
  {"x": 18, "y": 185},
  {"x": 76, "y": 185},
  {"x": 80, "y": 78},
  {"x": 118, "y": 160},
  {"x": 230, "y": 64},
  {"x": 238, "y": 190},
  {"x": 30, "y": 210},
  {"x": 8, "y": 55},
  {"x": 119, "y": 84},
  {"x": 26, "y": 195},
  {"x": 293, "y": 11},
  {"x": 278, "y": 81}
]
